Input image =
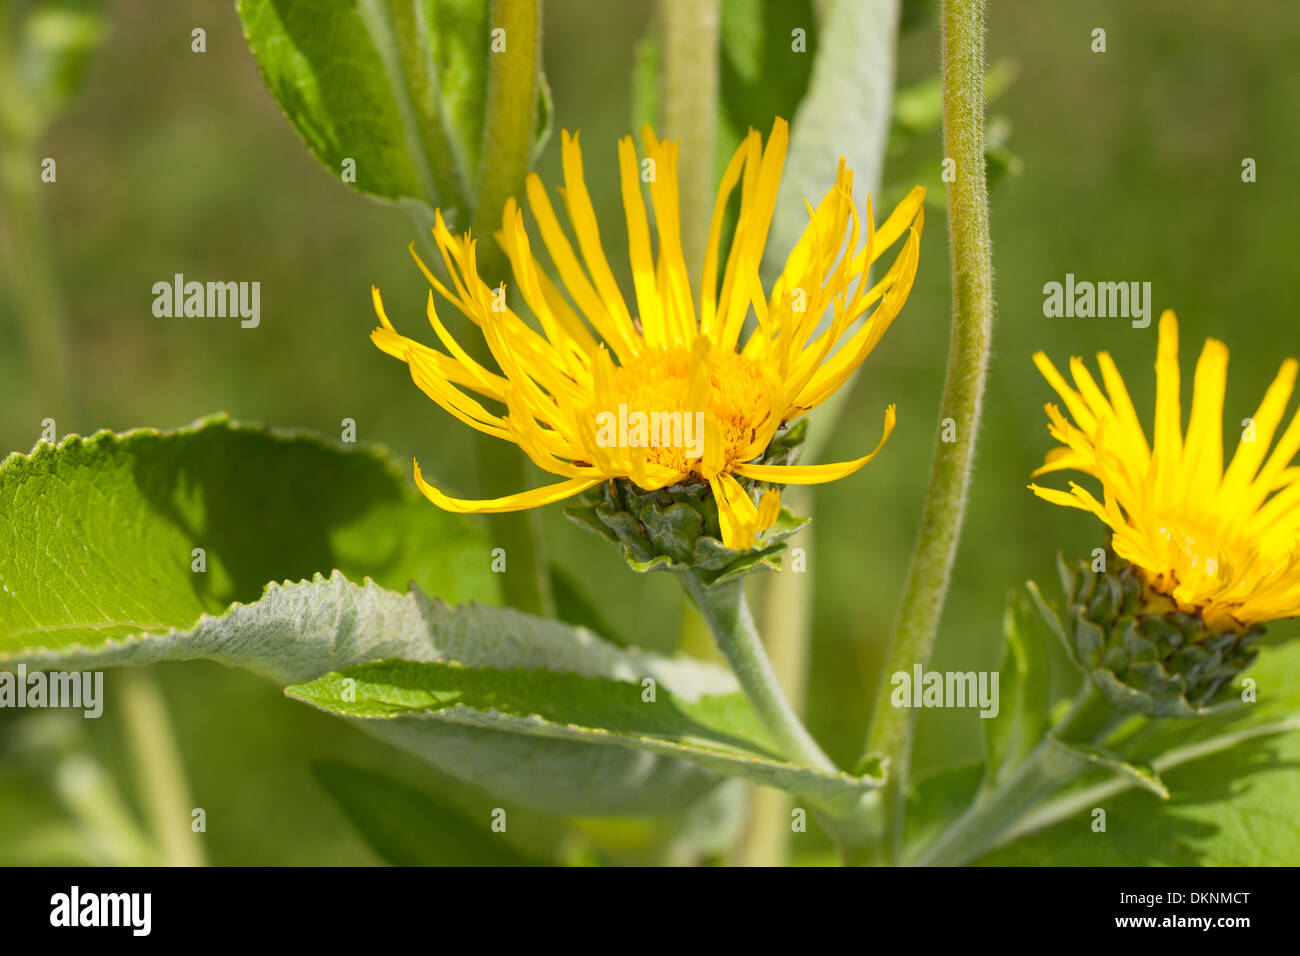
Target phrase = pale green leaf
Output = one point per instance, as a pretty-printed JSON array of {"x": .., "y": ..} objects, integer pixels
[
  {"x": 298, "y": 632},
  {"x": 716, "y": 732}
]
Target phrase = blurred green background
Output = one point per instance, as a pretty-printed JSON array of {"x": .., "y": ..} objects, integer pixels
[{"x": 171, "y": 161}]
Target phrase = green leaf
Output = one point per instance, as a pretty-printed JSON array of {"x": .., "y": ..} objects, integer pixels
[
  {"x": 1142, "y": 776},
  {"x": 98, "y": 535},
  {"x": 1232, "y": 808},
  {"x": 398, "y": 86},
  {"x": 716, "y": 732},
  {"x": 760, "y": 74},
  {"x": 299, "y": 632},
  {"x": 407, "y": 827},
  {"x": 1024, "y": 685},
  {"x": 845, "y": 112},
  {"x": 1231, "y": 777}
]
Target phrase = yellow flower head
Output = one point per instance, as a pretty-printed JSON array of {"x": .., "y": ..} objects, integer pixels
[
  {"x": 592, "y": 359},
  {"x": 1224, "y": 543}
]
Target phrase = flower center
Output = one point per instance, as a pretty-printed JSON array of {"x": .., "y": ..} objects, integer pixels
[{"x": 655, "y": 389}]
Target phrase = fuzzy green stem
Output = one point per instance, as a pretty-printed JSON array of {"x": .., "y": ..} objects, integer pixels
[
  {"x": 689, "y": 102},
  {"x": 511, "y": 115},
  {"x": 892, "y": 728},
  {"x": 785, "y": 613},
  {"x": 1048, "y": 767},
  {"x": 848, "y": 822},
  {"x": 727, "y": 613},
  {"x": 159, "y": 773},
  {"x": 508, "y": 129}
]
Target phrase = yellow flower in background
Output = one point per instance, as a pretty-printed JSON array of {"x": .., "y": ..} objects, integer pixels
[
  {"x": 592, "y": 357},
  {"x": 1221, "y": 542}
]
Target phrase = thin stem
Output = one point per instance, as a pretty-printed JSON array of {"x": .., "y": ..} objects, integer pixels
[
  {"x": 511, "y": 115},
  {"x": 725, "y": 609},
  {"x": 1047, "y": 768},
  {"x": 892, "y": 728},
  {"x": 848, "y": 822},
  {"x": 508, "y": 129},
  {"x": 689, "y": 101},
  {"x": 786, "y": 615},
  {"x": 688, "y": 96},
  {"x": 157, "y": 762}
]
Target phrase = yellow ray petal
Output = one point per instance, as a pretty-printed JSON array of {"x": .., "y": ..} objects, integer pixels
[
  {"x": 1168, "y": 431},
  {"x": 620, "y": 336},
  {"x": 1082, "y": 415},
  {"x": 638, "y": 246},
  {"x": 1250, "y": 454},
  {"x": 1203, "y": 457},
  {"x": 583, "y": 217},
  {"x": 816, "y": 474},
  {"x": 535, "y": 498},
  {"x": 709, "y": 283}
]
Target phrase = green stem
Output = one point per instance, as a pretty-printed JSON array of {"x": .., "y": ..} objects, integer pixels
[
  {"x": 688, "y": 98},
  {"x": 892, "y": 728},
  {"x": 510, "y": 122},
  {"x": 508, "y": 129},
  {"x": 158, "y": 769},
  {"x": 727, "y": 613},
  {"x": 848, "y": 822},
  {"x": 689, "y": 103},
  {"x": 786, "y": 617},
  {"x": 1048, "y": 767}
]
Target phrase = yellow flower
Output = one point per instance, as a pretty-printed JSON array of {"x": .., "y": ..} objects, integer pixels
[
  {"x": 590, "y": 355},
  {"x": 1219, "y": 542}
]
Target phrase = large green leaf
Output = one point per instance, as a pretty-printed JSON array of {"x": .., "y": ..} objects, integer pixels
[
  {"x": 397, "y": 86},
  {"x": 717, "y": 732},
  {"x": 299, "y": 632},
  {"x": 97, "y": 535}
]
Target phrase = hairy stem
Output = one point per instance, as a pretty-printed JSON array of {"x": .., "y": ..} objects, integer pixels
[
  {"x": 689, "y": 102},
  {"x": 511, "y": 120},
  {"x": 962, "y": 46},
  {"x": 786, "y": 613},
  {"x": 727, "y": 613}
]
